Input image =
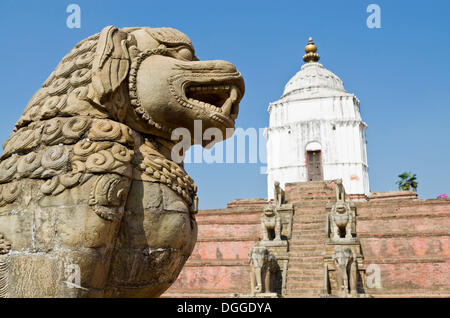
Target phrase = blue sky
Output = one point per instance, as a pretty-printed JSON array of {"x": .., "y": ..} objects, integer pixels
[{"x": 400, "y": 72}]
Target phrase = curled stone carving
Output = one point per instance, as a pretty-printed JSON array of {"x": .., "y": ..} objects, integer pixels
[
  {"x": 5, "y": 247},
  {"x": 52, "y": 131},
  {"x": 29, "y": 165},
  {"x": 109, "y": 193},
  {"x": 67, "y": 131},
  {"x": 87, "y": 175},
  {"x": 98, "y": 157},
  {"x": 75, "y": 127},
  {"x": 55, "y": 157},
  {"x": 8, "y": 168},
  {"x": 9, "y": 192},
  {"x": 104, "y": 130}
]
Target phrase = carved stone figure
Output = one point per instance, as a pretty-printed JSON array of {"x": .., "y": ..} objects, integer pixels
[
  {"x": 345, "y": 263},
  {"x": 341, "y": 219},
  {"x": 340, "y": 191},
  {"x": 270, "y": 224},
  {"x": 278, "y": 194},
  {"x": 5, "y": 247},
  {"x": 262, "y": 266},
  {"x": 88, "y": 178}
]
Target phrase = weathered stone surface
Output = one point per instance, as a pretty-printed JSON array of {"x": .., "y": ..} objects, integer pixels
[
  {"x": 92, "y": 203},
  {"x": 263, "y": 270}
]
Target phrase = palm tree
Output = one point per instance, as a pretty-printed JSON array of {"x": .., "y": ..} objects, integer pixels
[{"x": 407, "y": 182}]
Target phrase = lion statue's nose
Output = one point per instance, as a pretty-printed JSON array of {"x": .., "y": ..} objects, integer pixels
[{"x": 215, "y": 65}]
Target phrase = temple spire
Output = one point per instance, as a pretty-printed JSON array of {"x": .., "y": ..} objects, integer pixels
[{"x": 311, "y": 55}]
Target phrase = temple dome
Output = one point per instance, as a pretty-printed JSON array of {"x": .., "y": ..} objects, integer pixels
[{"x": 312, "y": 76}]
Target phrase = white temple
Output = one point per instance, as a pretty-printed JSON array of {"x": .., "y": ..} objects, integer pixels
[{"x": 316, "y": 131}]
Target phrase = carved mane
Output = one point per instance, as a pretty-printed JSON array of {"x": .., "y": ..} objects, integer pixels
[{"x": 73, "y": 127}]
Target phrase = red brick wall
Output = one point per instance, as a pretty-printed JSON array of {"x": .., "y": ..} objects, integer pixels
[{"x": 409, "y": 241}]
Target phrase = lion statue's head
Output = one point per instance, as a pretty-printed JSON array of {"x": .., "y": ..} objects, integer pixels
[{"x": 147, "y": 78}]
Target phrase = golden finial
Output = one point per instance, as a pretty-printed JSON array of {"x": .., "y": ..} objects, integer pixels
[{"x": 311, "y": 55}]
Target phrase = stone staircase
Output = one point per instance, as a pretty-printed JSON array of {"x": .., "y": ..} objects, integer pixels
[{"x": 305, "y": 274}]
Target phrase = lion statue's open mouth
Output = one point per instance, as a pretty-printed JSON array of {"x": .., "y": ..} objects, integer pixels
[
  {"x": 91, "y": 202},
  {"x": 223, "y": 99}
]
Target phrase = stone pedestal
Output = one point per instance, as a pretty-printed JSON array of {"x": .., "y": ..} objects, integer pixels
[
  {"x": 257, "y": 295},
  {"x": 280, "y": 250},
  {"x": 286, "y": 212}
]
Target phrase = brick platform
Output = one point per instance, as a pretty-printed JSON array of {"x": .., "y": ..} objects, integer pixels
[{"x": 408, "y": 239}]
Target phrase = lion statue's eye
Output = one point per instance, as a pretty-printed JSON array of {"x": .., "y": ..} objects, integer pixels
[{"x": 185, "y": 53}]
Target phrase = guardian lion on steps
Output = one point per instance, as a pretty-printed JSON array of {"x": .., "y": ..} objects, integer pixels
[{"x": 91, "y": 202}]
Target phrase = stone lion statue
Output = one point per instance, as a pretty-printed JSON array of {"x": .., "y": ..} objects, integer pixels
[
  {"x": 91, "y": 202},
  {"x": 341, "y": 219},
  {"x": 271, "y": 224}
]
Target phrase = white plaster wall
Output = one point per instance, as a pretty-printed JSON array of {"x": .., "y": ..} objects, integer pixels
[{"x": 298, "y": 120}]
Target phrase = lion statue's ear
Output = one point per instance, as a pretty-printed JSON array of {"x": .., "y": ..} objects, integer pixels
[{"x": 111, "y": 63}]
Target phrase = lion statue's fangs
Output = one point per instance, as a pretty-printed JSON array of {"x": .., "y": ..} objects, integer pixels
[{"x": 91, "y": 204}]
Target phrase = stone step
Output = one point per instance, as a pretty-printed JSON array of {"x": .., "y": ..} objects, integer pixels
[
  {"x": 296, "y": 285},
  {"x": 304, "y": 260},
  {"x": 309, "y": 220},
  {"x": 299, "y": 237},
  {"x": 310, "y": 246},
  {"x": 310, "y": 225},
  {"x": 318, "y": 226},
  {"x": 306, "y": 242},
  {"x": 294, "y": 278},
  {"x": 296, "y": 271},
  {"x": 298, "y": 253},
  {"x": 303, "y": 254},
  {"x": 314, "y": 196},
  {"x": 311, "y": 184},
  {"x": 300, "y": 240},
  {"x": 309, "y": 204},
  {"x": 305, "y": 266},
  {"x": 304, "y": 293},
  {"x": 304, "y": 210},
  {"x": 310, "y": 264},
  {"x": 306, "y": 248},
  {"x": 298, "y": 230}
]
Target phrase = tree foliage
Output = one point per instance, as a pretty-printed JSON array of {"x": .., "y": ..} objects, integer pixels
[{"x": 407, "y": 182}]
